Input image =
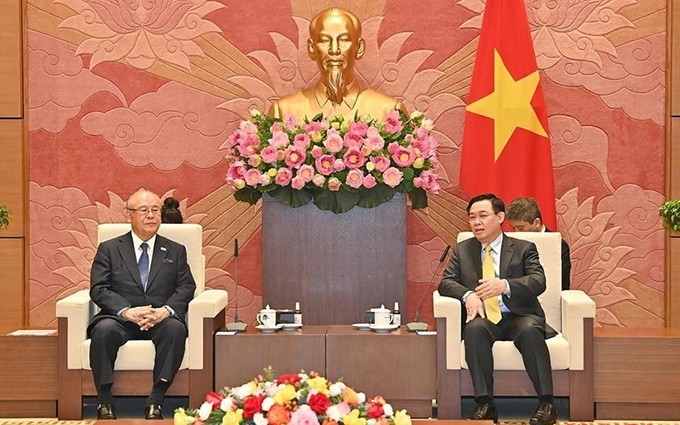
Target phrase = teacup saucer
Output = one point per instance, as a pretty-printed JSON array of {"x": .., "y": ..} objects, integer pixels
[
  {"x": 291, "y": 326},
  {"x": 383, "y": 328},
  {"x": 362, "y": 326},
  {"x": 268, "y": 329}
]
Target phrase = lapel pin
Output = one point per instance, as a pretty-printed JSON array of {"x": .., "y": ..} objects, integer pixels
[{"x": 163, "y": 248}]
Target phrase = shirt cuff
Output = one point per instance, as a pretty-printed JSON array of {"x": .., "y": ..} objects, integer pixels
[
  {"x": 507, "y": 288},
  {"x": 121, "y": 311},
  {"x": 467, "y": 294},
  {"x": 170, "y": 310}
]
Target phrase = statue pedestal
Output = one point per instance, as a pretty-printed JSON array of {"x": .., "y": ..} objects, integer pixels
[{"x": 336, "y": 265}]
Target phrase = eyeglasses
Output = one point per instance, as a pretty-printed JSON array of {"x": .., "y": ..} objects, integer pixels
[
  {"x": 481, "y": 217},
  {"x": 145, "y": 210}
]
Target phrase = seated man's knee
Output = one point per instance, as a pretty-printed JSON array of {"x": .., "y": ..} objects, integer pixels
[
  {"x": 476, "y": 327},
  {"x": 104, "y": 328}
]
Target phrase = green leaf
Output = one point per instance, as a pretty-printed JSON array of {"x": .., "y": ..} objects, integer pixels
[
  {"x": 337, "y": 202},
  {"x": 291, "y": 197},
  {"x": 670, "y": 213},
  {"x": 371, "y": 198},
  {"x": 248, "y": 194},
  {"x": 418, "y": 198}
]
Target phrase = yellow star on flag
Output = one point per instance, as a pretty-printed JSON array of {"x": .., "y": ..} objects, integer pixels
[{"x": 509, "y": 105}]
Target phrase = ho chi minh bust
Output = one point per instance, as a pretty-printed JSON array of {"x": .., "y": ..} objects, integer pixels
[{"x": 335, "y": 44}]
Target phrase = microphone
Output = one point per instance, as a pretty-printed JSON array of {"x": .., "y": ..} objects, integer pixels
[
  {"x": 416, "y": 326},
  {"x": 236, "y": 325}
]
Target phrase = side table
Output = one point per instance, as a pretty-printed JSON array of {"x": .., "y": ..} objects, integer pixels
[{"x": 241, "y": 357}]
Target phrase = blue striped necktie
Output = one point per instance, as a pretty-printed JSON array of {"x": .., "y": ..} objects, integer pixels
[{"x": 144, "y": 265}]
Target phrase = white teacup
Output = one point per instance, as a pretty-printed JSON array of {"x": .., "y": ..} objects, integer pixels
[
  {"x": 382, "y": 317},
  {"x": 267, "y": 317}
]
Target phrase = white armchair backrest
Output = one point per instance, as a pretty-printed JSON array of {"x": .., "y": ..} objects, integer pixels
[
  {"x": 188, "y": 234},
  {"x": 549, "y": 245}
]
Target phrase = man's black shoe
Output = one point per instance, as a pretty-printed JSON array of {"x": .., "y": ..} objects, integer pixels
[
  {"x": 153, "y": 411},
  {"x": 485, "y": 411},
  {"x": 545, "y": 414},
  {"x": 105, "y": 411}
]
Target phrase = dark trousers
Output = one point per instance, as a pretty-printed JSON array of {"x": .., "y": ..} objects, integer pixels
[
  {"x": 528, "y": 335},
  {"x": 108, "y": 335}
]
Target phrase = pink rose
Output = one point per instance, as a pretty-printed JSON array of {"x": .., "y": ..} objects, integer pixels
[
  {"x": 279, "y": 139},
  {"x": 392, "y": 177},
  {"x": 312, "y": 126},
  {"x": 392, "y": 123},
  {"x": 297, "y": 183},
  {"x": 304, "y": 415},
  {"x": 404, "y": 157},
  {"x": 302, "y": 141},
  {"x": 392, "y": 147},
  {"x": 254, "y": 160},
  {"x": 369, "y": 181},
  {"x": 355, "y": 179},
  {"x": 269, "y": 154},
  {"x": 353, "y": 140},
  {"x": 290, "y": 121},
  {"x": 265, "y": 179},
  {"x": 235, "y": 171},
  {"x": 334, "y": 184},
  {"x": 252, "y": 177},
  {"x": 318, "y": 180},
  {"x": 248, "y": 127},
  {"x": 427, "y": 180},
  {"x": 353, "y": 158},
  {"x": 317, "y": 152},
  {"x": 359, "y": 128},
  {"x": 333, "y": 142},
  {"x": 339, "y": 165},
  {"x": 306, "y": 173},
  {"x": 283, "y": 176},
  {"x": 381, "y": 163},
  {"x": 373, "y": 139},
  {"x": 295, "y": 157},
  {"x": 248, "y": 146},
  {"x": 324, "y": 164}
]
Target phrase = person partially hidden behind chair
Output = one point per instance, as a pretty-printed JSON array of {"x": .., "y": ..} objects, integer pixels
[
  {"x": 498, "y": 280},
  {"x": 170, "y": 212},
  {"x": 143, "y": 285},
  {"x": 523, "y": 215},
  {"x": 335, "y": 44}
]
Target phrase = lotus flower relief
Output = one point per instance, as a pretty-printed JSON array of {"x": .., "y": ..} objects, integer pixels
[{"x": 141, "y": 31}]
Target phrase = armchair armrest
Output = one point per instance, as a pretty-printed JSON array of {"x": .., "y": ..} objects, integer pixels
[
  {"x": 77, "y": 309},
  {"x": 576, "y": 306},
  {"x": 449, "y": 309},
  {"x": 207, "y": 304}
]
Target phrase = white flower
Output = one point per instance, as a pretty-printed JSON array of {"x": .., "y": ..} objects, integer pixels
[
  {"x": 267, "y": 403},
  {"x": 255, "y": 113},
  {"x": 416, "y": 114},
  {"x": 205, "y": 410},
  {"x": 389, "y": 411},
  {"x": 303, "y": 376},
  {"x": 227, "y": 404},
  {"x": 336, "y": 388},
  {"x": 333, "y": 413},
  {"x": 244, "y": 391},
  {"x": 361, "y": 397},
  {"x": 370, "y": 422},
  {"x": 260, "y": 419},
  {"x": 427, "y": 124}
]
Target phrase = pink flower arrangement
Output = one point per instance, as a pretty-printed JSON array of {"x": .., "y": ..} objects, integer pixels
[
  {"x": 362, "y": 162},
  {"x": 294, "y": 399}
]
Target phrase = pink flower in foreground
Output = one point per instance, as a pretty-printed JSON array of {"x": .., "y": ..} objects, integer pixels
[
  {"x": 290, "y": 121},
  {"x": 392, "y": 122},
  {"x": 283, "y": 176},
  {"x": 295, "y": 157},
  {"x": 392, "y": 177},
  {"x": 304, "y": 415},
  {"x": 339, "y": 165},
  {"x": 248, "y": 127},
  {"x": 428, "y": 181},
  {"x": 369, "y": 181},
  {"x": 324, "y": 164},
  {"x": 252, "y": 177},
  {"x": 297, "y": 183},
  {"x": 254, "y": 160},
  {"x": 301, "y": 141},
  {"x": 248, "y": 145},
  {"x": 265, "y": 179},
  {"x": 269, "y": 154},
  {"x": 353, "y": 140},
  {"x": 235, "y": 171},
  {"x": 353, "y": 158},
  {"x": 373, "y": 139},
  {"x": 333, "y": 142},
  {"x": 381, "y": 163},
  {"x": 279, "y": 139},
  {"x": 318, "y": 180},
  {"x": 404, "y": 156},
  {"x": 317, "y": 152},
  {"x": 355, "y": 179},
  {"x": 392, "y": 147},
  {"x": 334, "y": 184},
  {"x": 306, "y": 173}
]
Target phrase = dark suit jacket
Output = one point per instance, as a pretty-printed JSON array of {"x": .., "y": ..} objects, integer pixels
[
  {"x": 566, "y": 264},
  {"x": 519, "y": 265},
  {"x": 115, "y": 282}
]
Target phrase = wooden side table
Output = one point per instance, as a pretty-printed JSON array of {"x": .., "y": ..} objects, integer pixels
[
  {"x": 28, "y": 371},
  {"x": 239, "y": 358},
  {"x": 400, "y": 366}
]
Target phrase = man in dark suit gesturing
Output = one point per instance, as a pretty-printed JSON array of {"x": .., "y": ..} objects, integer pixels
[
  {"x": 498, "y": 279},
  {"x": 143, "y": 285}
]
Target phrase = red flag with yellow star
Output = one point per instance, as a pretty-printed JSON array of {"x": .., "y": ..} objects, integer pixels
[{"x": 506, "y": 148}]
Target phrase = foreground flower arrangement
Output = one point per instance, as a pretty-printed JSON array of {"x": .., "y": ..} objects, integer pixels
[
  {"x": 335, "y": 163},
  {"x": 294, "y": 399}
]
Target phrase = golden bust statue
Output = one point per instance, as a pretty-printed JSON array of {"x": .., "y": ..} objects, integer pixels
[{"x": 335, "y": 44}]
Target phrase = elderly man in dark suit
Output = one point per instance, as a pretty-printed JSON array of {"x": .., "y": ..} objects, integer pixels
[
  {"x": 143, "y": 285},
  {"x": 498, "y": 279}
]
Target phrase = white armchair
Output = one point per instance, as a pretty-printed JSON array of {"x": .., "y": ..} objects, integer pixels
[
  {"x": 134, "y": 364},
  {"x": 570, "y": 313}
]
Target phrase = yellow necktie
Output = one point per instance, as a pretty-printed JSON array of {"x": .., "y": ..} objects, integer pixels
[{"x": 491, "y": 305}]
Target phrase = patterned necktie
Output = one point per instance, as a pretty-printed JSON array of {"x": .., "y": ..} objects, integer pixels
[
  {"x": 144, "y": 265},
  {"x": 491, "y": 305}
]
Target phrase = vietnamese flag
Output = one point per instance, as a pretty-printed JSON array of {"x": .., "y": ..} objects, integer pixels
[{"x": 506, "y": 147}]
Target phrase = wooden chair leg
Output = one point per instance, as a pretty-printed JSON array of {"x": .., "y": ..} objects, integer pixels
[{"x": 448, "y": 381}]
